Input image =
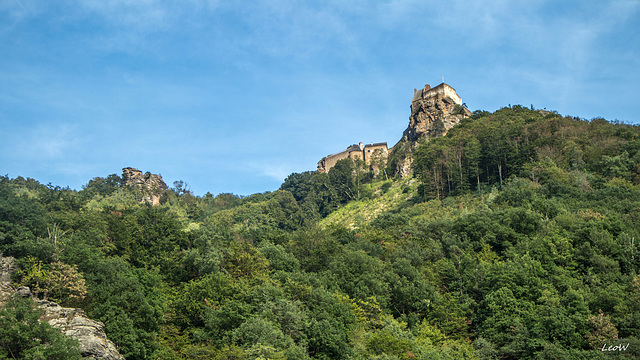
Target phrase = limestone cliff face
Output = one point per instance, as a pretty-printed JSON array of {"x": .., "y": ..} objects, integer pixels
[
  {"x": 433, "y": 112},
  {"x": 93, "y": 342},
  {"x": 150, "y": 185}
]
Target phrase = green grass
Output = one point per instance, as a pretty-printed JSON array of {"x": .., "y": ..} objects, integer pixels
[{"x": 357, "y": 213}]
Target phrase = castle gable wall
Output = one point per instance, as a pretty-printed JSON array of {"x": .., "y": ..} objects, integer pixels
[
  {"x": 370, "y": 151},
  {"x": 330, "y": 161}
]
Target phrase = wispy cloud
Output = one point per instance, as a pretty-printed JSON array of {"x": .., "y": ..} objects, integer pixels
[
  {"x": 22, "y": 6},
  {"x": 272, "y": 169},
  {"x": 45, "y": 141}
]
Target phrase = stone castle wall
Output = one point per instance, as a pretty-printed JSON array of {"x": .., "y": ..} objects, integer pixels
[
  {"x": 439, "y": 92},
  {"x": 330, "y": 161},
  {"x": 354, "y": 152},
  {"x": 369, "y": 152}
]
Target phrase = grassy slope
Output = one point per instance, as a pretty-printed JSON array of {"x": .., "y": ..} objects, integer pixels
[{"x": 358, "y": 213}]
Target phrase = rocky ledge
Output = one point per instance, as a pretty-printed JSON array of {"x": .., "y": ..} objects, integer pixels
[
  {"x": 434, "y": 111},
  {"x": 93, "y": 341}
]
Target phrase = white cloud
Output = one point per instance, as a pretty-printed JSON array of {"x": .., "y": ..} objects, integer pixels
[
  {"x": 274, "y": 171},
  {"x": 47, "y": 141}
]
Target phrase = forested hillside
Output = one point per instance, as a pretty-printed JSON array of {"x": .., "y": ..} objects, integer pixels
[{"x": 516, "y": 239}]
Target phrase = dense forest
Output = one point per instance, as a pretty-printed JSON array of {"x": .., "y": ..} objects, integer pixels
[{"x": 515, "y": 239}]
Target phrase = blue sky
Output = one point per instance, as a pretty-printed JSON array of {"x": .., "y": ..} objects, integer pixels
[{"x": 232, "y": 96}]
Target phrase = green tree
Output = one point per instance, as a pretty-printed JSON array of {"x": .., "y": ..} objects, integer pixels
[
  {"x": 23, "y": 336},
  {"x": 603, "y": 330},
  {"x": 473, "y": 154},
  {"x": 101, "y": 186},
  {"x": 299, "y": 184},
  {"x": 66, "y": 284},
  {"x": 129, "y": 302},
  {"x": 342, "y": 179}
]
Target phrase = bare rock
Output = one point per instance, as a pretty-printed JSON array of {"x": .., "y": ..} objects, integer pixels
[
  {"x": 150, "y": 185},
  {"x": 6, "y": 268},
  {"x": 93, "y": 341},
  {"x": 24, "y": 291},
  {"x": 433, "y": 112}
]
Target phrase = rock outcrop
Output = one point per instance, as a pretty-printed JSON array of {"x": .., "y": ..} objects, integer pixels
[
  {"x": 93, "y": 341},
  {"x": 150, "y": 185},
  {"x": 6, "y": 269},
  {"x": 433, "y": 112}
]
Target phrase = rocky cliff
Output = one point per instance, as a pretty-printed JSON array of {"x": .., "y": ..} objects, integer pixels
[
  {"x": 150, "y": 185},
  {"x": 433, "y": 112},
  {"x": 74, "y": 323}
]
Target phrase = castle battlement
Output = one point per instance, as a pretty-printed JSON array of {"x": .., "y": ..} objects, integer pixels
[{"x": 441, "y": 91}]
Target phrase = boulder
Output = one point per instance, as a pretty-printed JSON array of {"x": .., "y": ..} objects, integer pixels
[{"x": 23, "y": 291}]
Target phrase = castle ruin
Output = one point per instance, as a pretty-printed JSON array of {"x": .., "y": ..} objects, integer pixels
[
  {"x": 433, "y": 112},
  {"x": 439, "y": 92},
  {"x": 367, "y": 153}
]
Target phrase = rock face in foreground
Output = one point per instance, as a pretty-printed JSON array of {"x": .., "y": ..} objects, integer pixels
[
  {"x": 93, "y": 342},
  {"x": 6, "y": 268},
  {"x": 150, "y": 185},
  {"x": 433, "y": 112}
]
